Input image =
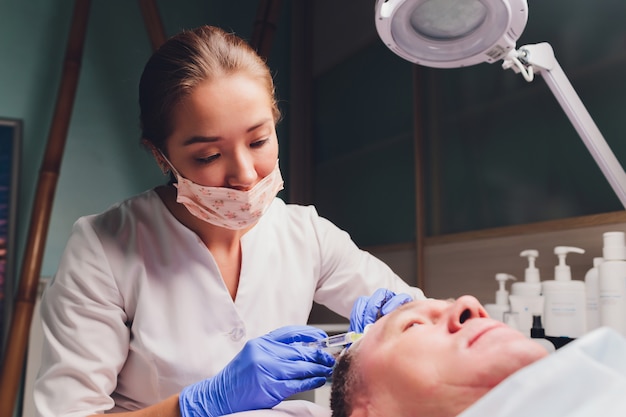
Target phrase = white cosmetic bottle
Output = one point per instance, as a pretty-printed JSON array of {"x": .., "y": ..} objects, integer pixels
[
  {"x": 565, "y": 300},
  {"x": 592, "y": 289},
  {"x": 501, "y": 306},
  {"x": 525, "y": 298},
  {"x": 612, "y": 276}
]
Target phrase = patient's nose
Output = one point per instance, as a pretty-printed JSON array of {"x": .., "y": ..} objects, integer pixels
[{"x": 464, "y": 309}]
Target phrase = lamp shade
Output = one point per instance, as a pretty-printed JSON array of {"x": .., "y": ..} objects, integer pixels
[{"x": 451, "y": 33}]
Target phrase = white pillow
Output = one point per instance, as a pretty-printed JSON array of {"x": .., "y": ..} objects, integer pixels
[{"x": 292, "y": 408}]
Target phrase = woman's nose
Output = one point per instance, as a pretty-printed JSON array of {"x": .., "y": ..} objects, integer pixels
[
  {"x": 242, "y": 173},
  {"x": 464, "y": 309}
]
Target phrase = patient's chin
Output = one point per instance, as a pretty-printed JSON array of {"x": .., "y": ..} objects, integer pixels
[
  {"x": 524, "y": 349},
  {"x": 507, "y": 359},
  {"x": 523, "y": 355},
  {"x": 532, "y": 352}
]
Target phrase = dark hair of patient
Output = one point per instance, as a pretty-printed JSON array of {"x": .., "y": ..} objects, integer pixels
[{"x": 344, "y": 385}]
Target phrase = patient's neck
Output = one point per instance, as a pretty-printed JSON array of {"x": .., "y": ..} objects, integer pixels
[{"x": 443, "y": 401}]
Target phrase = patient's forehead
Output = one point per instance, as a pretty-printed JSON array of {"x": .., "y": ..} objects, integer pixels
[
  {"x": 426, "y": 305},
  {"x": 429, "y": 306}
]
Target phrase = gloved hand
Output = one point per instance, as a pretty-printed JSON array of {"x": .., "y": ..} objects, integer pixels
[
  {"x": 367, "y": 310},
  {"x": 268, "y": 369}
]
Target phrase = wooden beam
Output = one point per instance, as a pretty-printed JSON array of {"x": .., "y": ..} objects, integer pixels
[
  {"x": 420, "y": 205},
  {"x": 153, "y": 22},
  {"x": 265, "y": 24},
  {"x": 301, "y": 105}
]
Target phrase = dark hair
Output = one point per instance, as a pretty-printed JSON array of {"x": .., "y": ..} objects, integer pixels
[
  {"x": 186, "y": 60},
  {"x": 345, "y": 384}
]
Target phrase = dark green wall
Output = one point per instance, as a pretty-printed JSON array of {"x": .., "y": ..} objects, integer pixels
[
  {"x": 505, "y": 151},
  {"x": 363, "y": 147},
  {"x": 499, "y": 151}
]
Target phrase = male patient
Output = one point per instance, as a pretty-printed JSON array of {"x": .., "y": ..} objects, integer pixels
[{"x": 437, "y": 358}]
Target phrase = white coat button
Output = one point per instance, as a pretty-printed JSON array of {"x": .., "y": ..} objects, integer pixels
[{"x": 237, "y": 334}]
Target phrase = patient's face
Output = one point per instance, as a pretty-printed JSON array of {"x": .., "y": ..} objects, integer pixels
[{"x": 438, "y": 357}]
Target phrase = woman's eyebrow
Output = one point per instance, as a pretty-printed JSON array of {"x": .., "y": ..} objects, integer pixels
[
  {"x": 260, "y": 124},
  {"x": 210, "y": 139},
  {"x": 200, "y": 139}
]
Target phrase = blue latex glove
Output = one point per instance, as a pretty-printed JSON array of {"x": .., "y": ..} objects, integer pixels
[
  {"x": 268, "y": 369},
  {"x": 367, "y": 310}
]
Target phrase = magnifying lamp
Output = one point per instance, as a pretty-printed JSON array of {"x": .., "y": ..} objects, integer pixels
[{"x": 459, "y": 33}]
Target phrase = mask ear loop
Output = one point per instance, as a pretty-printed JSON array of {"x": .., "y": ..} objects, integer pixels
[
  {"x": 163, "y": 163},
  {"x": 165, "y": 169},
  {"x": 167, "y": 163}
]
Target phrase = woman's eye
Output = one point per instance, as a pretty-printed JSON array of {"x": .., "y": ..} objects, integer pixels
[
  {"x": 208, "y": 159},
  {"x": 259, "y": 143}
]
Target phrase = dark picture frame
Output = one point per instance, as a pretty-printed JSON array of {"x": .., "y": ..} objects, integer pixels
[{"x": 10, "y": 153}]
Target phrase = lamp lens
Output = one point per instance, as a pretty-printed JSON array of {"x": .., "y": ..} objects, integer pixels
[
  {"x": 447, "y": 19},
  {"x": 444, "y": 32}
]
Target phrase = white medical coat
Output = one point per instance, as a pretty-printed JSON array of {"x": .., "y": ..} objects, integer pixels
[
  {"x": 138, "y": 309},
  {"x": 586, "y": 378}
]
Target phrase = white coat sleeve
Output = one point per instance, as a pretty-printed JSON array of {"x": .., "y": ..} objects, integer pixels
[
  {"x": 348, "y": 272},
  {"x": 86, "y": 338}
]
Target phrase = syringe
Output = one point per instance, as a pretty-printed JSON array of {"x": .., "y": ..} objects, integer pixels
[{"x": 338, "y": 340}]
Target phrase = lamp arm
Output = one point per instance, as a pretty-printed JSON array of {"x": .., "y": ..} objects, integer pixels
[{"x": 541, "y": 57}]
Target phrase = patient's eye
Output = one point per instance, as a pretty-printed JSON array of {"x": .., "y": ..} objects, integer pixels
[{"x": 414, "y": 323}]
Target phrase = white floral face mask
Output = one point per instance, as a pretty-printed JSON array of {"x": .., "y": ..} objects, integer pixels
[{"x": 227, "y": 207}]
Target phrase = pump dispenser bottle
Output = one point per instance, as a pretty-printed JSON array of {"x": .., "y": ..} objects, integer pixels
[
  {"x": 501, "y": 306},
  {"x": 525, "y": 298},
  {"x": 538, "y": 334},
  {"x": 592, "y": 290},
  {"x": 531, "y": 284},
  {"x": 612, "y": 277},
  {"x": 565, "y": 299}
]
